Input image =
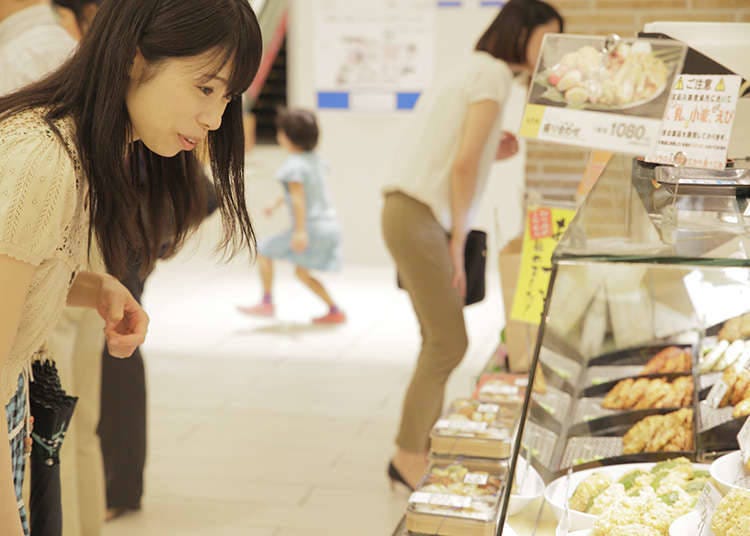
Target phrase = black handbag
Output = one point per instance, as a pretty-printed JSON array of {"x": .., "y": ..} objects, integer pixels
[{"x": 475, "y": 266}]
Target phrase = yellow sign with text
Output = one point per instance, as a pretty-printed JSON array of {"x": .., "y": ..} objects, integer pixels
[
  {"x": 532, "y": 120},
  {"x": 544, "y": 228}
]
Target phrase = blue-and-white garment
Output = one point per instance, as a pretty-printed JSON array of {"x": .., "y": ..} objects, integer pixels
[
  {"x": 324, "y": 249},
  {"x": 15, "y": 412}
]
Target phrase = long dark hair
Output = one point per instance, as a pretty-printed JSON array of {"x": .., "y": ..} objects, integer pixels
[
  {"x": 77, "y": 7},
  {"x": 508, "y": 35},
  {"x": 132, "y": 211}
]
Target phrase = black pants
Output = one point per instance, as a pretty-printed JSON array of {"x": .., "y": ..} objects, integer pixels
[{"x": 122, "y": 425}]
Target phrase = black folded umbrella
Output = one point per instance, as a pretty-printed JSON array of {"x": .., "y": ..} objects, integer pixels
[{"x": 52, "y": 410}]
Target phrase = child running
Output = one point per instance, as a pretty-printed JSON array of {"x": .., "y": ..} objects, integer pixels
[{"x": 314, "y": 241}]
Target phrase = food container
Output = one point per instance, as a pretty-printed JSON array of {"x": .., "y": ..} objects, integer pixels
[
  {"x": 729, "y": 472},
  {"x": 475, "y": 429},
  {"x": 456, "y": 500},
  {"x": 651, "y": 361},
  {"x": 686, "y": 525},
  {"x": 501, "y": 389},
  {"x": 560, "y": 491},
  {"x": 647, "y": 435}
]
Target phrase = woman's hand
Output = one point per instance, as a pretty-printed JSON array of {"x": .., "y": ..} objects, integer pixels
[
  {"x": 126, "y": 323},
  {"x": 300, "y": 241},
  {"x": 457, "y": 245},
  {"x": 508, "y": 146}
]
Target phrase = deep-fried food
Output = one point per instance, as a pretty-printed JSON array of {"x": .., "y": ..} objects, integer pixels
[
  {"x": 742, "y": 409},
  {"x": 639, "y": 435},
  {"x": 636, "y": 392},
  {"x": 672, "y": 432},
  {"x": 671, "y": 359},
  {"x": 615, "y": 397},
  {"x": 647, "y": 393},
  {"x": 738, "y": 383},
  {"x": 655, "y": 395},
  {"x": 740, "y": 388},
  {"x": 731, "y": 330},
  {"x": 735, "y": 329},
  {"x": 683, "y": 386},
  {"x": 730, "y": 378}
]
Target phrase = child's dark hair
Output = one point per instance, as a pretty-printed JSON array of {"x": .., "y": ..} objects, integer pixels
[{"x": 300, "y": 126}]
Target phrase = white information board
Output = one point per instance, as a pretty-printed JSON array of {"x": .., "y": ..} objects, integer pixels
[
  {"x": 698, "y": 122},
  {"x": 373, "y": 55}
]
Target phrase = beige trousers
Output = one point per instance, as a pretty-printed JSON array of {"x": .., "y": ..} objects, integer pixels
[
  {"x": 419, "y": 246},
  {"x": 76, "y": 346}
]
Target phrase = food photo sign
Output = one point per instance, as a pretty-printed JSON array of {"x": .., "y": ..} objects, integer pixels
[{"x": 602, "y": 92}]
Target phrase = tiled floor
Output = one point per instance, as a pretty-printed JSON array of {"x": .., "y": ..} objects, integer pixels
[{"x": 273, "y": 427}]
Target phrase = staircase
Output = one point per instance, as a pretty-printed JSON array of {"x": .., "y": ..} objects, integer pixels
[{"x": 269, "y": 90}]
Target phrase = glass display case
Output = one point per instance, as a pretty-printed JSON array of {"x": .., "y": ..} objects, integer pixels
[
  {"x": 642, "y": 354},
  {"x": 641, "y": 372}
]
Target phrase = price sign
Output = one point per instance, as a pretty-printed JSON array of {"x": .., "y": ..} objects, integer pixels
[
  {"x": 633, "y": 135},
  {"x": 480, "y": 479},
  {"x": 452, "y": 501},
  {"x": 707, "y": 503},
  {"x": 716, "y": 394},
  {"x": 488, "y": 408},
  {"x": 462, "y": 426},
  {"x": 440, "y": 499},
  {"x": 587, "y": 92},
  {"x": 499, "y": 389}
]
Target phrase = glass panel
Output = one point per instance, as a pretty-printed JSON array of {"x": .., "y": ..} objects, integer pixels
[
  {"x": 628, "y": 355},
  {"x": 638, "y": 213}
]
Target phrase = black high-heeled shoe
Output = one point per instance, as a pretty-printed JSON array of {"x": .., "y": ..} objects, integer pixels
[{"x": 396, "y": 477}]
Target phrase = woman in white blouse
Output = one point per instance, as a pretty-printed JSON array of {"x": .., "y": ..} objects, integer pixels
[
  {"x": 433, "y": 193},
  {"x": 154, "y": 77}
]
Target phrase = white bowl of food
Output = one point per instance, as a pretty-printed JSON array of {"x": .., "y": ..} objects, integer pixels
[
  {"x": 729, "y": 472},
  {"x": 529, "y": 487},
  {"x": 606, "y": 487},
  {"x": 686, "y": 525},
  {"x": 556, "y": 496}
]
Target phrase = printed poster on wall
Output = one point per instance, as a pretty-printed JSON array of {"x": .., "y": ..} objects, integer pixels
[
  {"x": 376, "y": 56},
  {"x": 545, "y": 227},
  {"x": 601, "y": 93}
]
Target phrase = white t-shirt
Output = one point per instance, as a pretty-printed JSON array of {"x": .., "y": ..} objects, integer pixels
[
  {"x": 424, "y": 161},
  {"x": 32, "y": 44}
]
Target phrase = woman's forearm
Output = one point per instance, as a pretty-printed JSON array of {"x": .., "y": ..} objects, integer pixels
[{"x": 85, "y": 289}]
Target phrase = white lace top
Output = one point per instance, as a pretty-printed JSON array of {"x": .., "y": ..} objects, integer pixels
[{"x": 44, "y": 222}]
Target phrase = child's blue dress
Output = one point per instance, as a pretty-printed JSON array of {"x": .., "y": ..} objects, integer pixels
[{"x": 324, "y": 248}]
